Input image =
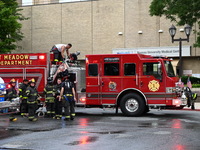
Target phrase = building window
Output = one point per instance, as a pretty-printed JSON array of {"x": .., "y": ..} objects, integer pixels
[
  {"x": 64, "y": 1},
  {"x": 93, "y": 70},
  {"x": 129, "y": 69},
  {"x": 27, "y": 2},
  {"x": 111, "y": 69}
]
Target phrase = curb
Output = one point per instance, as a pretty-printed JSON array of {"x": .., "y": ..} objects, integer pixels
[{"x": 189, "y": 109}]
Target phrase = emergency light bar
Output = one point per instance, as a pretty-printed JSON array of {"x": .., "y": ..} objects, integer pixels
[{"x": 36, "y": 57}]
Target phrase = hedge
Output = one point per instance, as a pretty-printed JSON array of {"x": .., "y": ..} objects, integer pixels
[{"x": 194, "y": 80}]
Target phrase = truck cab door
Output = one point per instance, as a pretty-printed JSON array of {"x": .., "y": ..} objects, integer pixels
[
  {"x": 152, "y": 82},
  {"x": 110, "y": 79}
]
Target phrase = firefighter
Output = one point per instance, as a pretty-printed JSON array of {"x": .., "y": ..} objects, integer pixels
[
  {"x": 58, "y": 104},
  {"x": 59, "y": 49},
  {"x": 10, "y": 94},
  {"x": 32, "y": 97},
  {"x": 22, "y": 95},
  {"x": 69, "y": 98},
  {"x": 49, "y": 92}
]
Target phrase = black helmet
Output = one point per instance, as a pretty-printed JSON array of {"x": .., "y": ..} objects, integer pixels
[
  {"x": 25, "y": 80},
  {"x": 73, "y": 57},
  {"x": 49, "y": 80}
]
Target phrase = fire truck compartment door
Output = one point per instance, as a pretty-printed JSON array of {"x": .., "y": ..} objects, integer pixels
[{"x": 93, "y": 84}]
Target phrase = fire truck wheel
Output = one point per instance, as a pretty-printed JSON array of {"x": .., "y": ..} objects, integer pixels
[{"x": 132, "y": 105}]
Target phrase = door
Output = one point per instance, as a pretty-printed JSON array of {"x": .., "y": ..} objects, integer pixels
[
  {"x": 110, "y": 79},
  {"x": 93, "y": 84},
  {"x": 152, "y": 83},
  {"x": 130, "y": 72}
]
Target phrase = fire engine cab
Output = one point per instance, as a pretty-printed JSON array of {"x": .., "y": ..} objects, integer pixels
[{"x": 131, "y": 82}]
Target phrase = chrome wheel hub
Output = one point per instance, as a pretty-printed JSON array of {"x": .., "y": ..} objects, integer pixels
[{"x": 132, "y": 105}]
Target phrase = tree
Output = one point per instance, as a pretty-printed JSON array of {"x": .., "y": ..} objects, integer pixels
[
  {"x": 181, "y": 11},
  {"x": 9, "y": 26}
]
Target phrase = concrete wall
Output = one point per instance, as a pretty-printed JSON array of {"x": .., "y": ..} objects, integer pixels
[{"x": 93, "y": 26}]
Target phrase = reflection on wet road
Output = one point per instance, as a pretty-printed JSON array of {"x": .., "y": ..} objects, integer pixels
[{"x": 158, "y": 130}]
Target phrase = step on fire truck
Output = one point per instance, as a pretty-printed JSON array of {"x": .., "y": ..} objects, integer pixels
[{"x": 132, "y": 82}]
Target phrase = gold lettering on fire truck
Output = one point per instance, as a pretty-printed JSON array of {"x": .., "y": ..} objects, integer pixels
[
  {"x": 154, "y": 85},
  {"x": 15, "y": 60},
  {"x": 112, "y": 85}
]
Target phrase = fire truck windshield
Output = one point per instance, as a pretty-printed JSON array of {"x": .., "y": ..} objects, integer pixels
[{"x": 169, "y": 69}]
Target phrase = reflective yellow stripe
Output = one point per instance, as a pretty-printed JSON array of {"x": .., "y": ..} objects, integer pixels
[
  {"x": 31, "y": 102},
  {"x": 73, "y": 115},
  {"x": 68, "y": 95}
]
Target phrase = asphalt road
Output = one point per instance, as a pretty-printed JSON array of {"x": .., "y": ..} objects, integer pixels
[{"x": 103, "y": 130}]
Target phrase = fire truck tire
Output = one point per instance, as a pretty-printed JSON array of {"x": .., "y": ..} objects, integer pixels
[{"x": 132, "y": 105}]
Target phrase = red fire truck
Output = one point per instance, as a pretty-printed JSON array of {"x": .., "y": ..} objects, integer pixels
[{"x": 132, "y": 82}]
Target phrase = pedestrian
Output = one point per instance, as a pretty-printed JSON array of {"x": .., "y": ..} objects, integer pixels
[
  {"x": 23, "y": 98},
  {"x": 58, "y": 104},
  {"x": 69, "y": 97},
  {"x": 10, "y": 94},
  {"x": 32, "y": 97},
  {"x": 59, "y": 50},
  {"x": 49, "y": 92}
]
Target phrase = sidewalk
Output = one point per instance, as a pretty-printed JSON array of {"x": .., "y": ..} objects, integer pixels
[{"x": 196, "y": 105}]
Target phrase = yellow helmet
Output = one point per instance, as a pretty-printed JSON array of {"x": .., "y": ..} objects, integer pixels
[
  {"x": 12, "y": 80},
  {"x": 32, "y": 80}
]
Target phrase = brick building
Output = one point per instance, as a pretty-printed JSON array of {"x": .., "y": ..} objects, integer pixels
[{"x": 103, "y": 26}]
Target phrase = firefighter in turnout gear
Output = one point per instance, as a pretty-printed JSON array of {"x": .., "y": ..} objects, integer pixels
[
  {"x": 69, "y": 98},
  {"x": 58, "y": 104},
  {"x": 49, "y": 92},
  {"x": 23, "y": 96},
  {"x": 10, "y": 94},
  {"x": 32, "y": 96}
]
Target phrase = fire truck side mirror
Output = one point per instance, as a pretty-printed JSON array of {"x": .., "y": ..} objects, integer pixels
[{"x": 159, "y": 77}]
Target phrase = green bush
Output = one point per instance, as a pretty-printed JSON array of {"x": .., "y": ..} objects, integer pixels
[
  {"x": 194, "y": 80},
  {"x": 195, "y": 85}
]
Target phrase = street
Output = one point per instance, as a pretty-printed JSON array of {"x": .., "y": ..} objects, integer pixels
[{"x": 105, "y": 130}]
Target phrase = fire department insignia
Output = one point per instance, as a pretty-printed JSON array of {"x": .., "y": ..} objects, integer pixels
[
  {"x": 112, "y": 85},
  {"x": 154, "y": 85}
]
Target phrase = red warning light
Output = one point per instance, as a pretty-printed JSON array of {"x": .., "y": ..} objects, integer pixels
[
  {"x": 82, "y": 99},
  {"x": 41, "y": 57}
]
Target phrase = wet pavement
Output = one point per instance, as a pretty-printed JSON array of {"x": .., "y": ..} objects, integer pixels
[{"x": 102, "y": 130}]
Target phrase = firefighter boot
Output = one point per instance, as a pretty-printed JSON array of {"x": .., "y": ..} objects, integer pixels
[
  {"x": 35, "y": 119},
  {"x": 13, "y": 119},
  {"x": 67, "y": 118},
  {"x": 72, "y": 116}
]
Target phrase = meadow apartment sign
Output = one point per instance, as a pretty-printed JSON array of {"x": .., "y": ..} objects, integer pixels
[{"x": 155, "y": 51}]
